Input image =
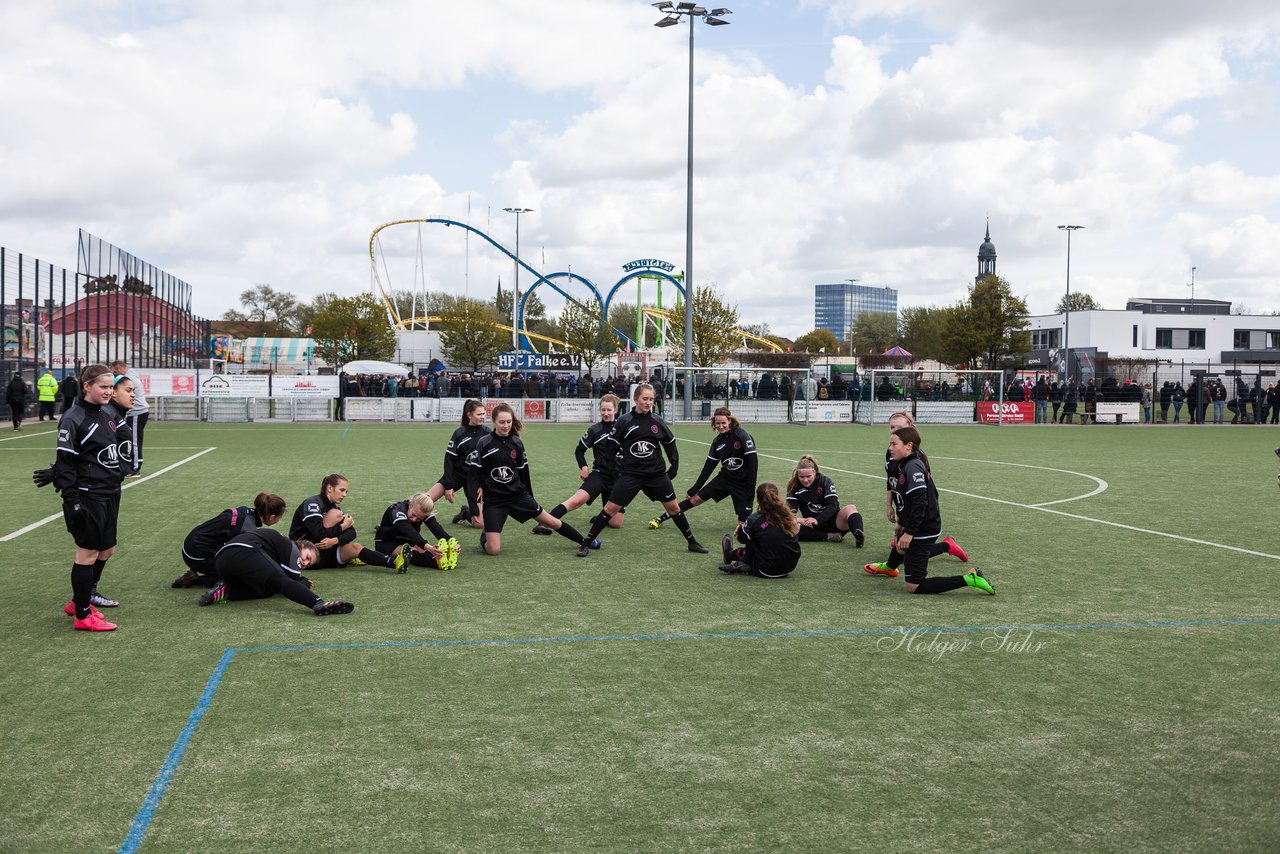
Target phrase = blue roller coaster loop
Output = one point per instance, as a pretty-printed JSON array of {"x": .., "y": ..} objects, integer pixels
[{"x": 539, "y": 279}]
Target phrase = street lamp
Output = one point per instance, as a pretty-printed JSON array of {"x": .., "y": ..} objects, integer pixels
[
  {"x": 673, "y": 12},
  {"x": 515, "y": 296},
  {"x": 1066, "y": 305}
]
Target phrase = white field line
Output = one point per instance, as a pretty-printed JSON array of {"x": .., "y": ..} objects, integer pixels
[
  {"x": 1043, "y": 508},
  {"x": 29, "y": 435},
  {"x": 132, "y": 483}
]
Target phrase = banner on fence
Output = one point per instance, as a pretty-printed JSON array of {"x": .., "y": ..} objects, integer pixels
[{"x": 1010, "y": 412}]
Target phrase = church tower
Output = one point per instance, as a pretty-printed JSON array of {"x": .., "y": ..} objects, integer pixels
[{"x": 986, "y": 257}]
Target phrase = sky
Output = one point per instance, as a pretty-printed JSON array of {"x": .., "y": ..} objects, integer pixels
[{"x": 233, "y": 143}]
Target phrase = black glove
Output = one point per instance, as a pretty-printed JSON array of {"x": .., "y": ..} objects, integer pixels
[{"x": 42, "y": 477}]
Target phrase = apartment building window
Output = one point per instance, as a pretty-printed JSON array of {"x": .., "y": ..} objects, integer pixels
[{"x": 1180, "y": 339}]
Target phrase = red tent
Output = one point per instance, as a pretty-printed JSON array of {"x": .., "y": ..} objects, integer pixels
[{"x": 897, "y": 352}]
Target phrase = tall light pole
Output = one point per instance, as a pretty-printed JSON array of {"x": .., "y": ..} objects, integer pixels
[
  {"x": 515, "y": 295},
  {"x": 1192, "y": 285},
  {"x": 1066, "y": 305},
  {"x": 849, "y": 332},
  {"x": 673, "y": 12}
]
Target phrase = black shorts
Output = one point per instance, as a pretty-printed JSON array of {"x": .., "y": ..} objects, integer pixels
[
  {"x": 522, "y": 509},
  {"x": 721, "y": 488},
  {"x": 328, "y": 558},
  {"x": 597, "y": 484},
  {"x": 92, "y": 521},
  {"x": 816, "y": 533},
  {"x": 199, "y": 565},
  {"x": 447, "y": 484},
  {"x": 656, "y": 487},
  {"x": 916, "y": 559},
  {"x": 248, "y": 573}
]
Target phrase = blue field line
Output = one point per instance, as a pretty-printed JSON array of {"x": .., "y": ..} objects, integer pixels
[{"x": 142, "y": 821}]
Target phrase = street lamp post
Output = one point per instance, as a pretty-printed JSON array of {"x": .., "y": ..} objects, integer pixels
[
  {"x": 515, "y": 294},
  {"x": 673, "y": 12},
  {"x": 1066, "y": 305}
]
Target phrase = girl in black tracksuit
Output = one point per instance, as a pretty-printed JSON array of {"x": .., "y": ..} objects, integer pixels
[
  {"x": 771, "y": 547},
  {"x": 734, "y": 451},
  {"x": 200, "y": 546},
  {"x": 461, "y": 444},
  {"x": 498, "y": 474},
  {"x": 915, "y": 499},
  {"x": 320, "y": 520},
  {"x": 812, "y": 497},
  {"x": 401, "y": 532},
  {"x": 87, "y": 471},
  {"x": 599, "y": 477},
  {"x": 263, "y": 562},
  {"x": 640, "y": 437}
]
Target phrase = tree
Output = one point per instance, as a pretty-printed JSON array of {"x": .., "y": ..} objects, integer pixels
[
  {"x": 818, "y": 341},
  {"x": 999, "y": 320},
  {"x": 353, "y": 328},
  {"x": 1078, "y": 301},
  {"x": 469, "y": 334},
  {"x": 922, "y": 330},
  {"x": 960, "y": 342},
  {"x": 715, "y": 325},
  {"x": 276, "y": 310},
  {"x": 874, "y": 331},
  {"x": 579, "y": 328},
  {"x": 535, "y": 313},
  {"x": 622, "y": 317}
]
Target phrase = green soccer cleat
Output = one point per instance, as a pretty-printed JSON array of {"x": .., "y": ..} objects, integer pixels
[
  {"x": 449, "y": 549},
  {"x": 355, "y": 561},
  {"x": 401, "y": 560},
  {"x": 656, "y": 523},
  {"x": 975, "y": 578}
]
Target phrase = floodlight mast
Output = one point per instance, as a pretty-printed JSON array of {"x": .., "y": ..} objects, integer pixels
[
  {"x": 1066, "y": 305},
  {"x": 674, "y": 12},
  {"x": 515, "y": 294}
]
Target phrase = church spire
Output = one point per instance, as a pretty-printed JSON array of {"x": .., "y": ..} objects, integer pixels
[{"x": 986, "y": 256}]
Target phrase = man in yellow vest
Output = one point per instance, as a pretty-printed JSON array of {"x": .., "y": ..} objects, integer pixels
[{"x": 47, "y": 388}]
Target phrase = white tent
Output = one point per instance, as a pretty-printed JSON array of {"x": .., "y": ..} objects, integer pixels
[{"x": 371, "y": 366}]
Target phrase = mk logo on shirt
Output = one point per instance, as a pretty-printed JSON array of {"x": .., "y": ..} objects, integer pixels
[
  {"x": 643, "y": 450},
  {"x": 502, "y": 474}
]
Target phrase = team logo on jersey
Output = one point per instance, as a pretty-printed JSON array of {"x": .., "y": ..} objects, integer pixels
[
  {"x": 733, "y": 464},
  {"x": 125, "y": 449},
  {"x": 313, "y": 507},
  {"x": 737, "y": 445},
  {"x": 111, "y": 425},
  {"x": 818, "y": 490},
  {"x": 513, "y": 453},
  {"x": 653, "y": 428},
  {"x": 109, "y": 457},
  {"x": 63, "y": 435},
  {"x": 751, "y": 443},
  {"x": 502, "y": 474},
  {"x": 643, "y": 450},
  {"x": 815, "y": 509},
  {"x": 917, "y": 477}
]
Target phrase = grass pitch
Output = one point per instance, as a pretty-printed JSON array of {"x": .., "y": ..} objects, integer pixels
[{"x": 1119, "y": 693}]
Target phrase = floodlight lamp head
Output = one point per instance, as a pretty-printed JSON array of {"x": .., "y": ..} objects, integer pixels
[
  {"x": 718, "y": 12},
  {"x": 669, "y": 21},
  {"x": 663, "y": 6},
  {"x": 686, "y": 7},
  {"x": 713, "y": 21}
]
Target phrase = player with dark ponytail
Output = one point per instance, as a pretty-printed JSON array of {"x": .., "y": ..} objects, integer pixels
[
  {"x": 320, "y": 520},
  {"x": 734, "y": 451},
  {"x": 200, "y": 546},
  {"x": 461, "y": 444},
  {"x": 915, "y": 499},
  {"x": 599, "y": 477},
  {"x": 771, "y": 548}
]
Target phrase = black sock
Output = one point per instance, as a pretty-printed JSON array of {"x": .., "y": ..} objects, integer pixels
[
  {"x": 347, "y": 536},
  {"x": 598, "y": 523},
  {"x": 97, "y": 571},
  {"x": 895, "y": 559},
  {"x": 81, "y": 588},
  {"x": 568, "y": 532},
  {"x": 939, "y": 549},
  {"x": 855, "y": 522},
  {"x": 296, "y": 591},
  {"x": 558, "y": 511},
  {"x": 683, "y": 524},
  {"x": 941, "y": 585},
  {"x": 374, "y": 558},
  {"x": 437, "y": 530}
]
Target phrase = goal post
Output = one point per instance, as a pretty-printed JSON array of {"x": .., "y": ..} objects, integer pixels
[{"x": 932, "y": 397}]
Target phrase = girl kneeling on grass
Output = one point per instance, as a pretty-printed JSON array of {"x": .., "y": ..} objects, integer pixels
[
  {"x": 771, "y": 548},
  {"x": 320, "y": 520},
  {"x": 915, "y": 499}
]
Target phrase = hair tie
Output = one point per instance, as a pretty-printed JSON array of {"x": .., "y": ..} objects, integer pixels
[{"x": 116, "y": 381}]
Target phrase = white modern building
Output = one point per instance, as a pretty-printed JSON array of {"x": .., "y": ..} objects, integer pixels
[{"x": 1175, "y": 331}]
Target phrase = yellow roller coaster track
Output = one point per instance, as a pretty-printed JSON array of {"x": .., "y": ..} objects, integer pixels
[{"x": 669, "y": 315}]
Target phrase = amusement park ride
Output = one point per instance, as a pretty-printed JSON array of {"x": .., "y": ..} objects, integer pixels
[{"x": 641, "y": 271}]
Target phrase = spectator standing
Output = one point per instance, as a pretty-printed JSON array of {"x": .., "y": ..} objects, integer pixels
[
  {"x": 1178, "y": 396},
  {"x": 15, "y": 394},
  {"x": 46, "y": 394},
  {"x": 1166, "y": 397},
  {"x": 70, "y": 391},
  {"x": 1056, "y": 396},
  {"x": 1218, "y": 394},
  {"x": 1147, "y": 401},
  {"x": 1069, "y": 401},
  {"x": 1040, "y": 397}
]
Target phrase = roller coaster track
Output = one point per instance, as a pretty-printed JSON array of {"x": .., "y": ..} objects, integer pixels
[{"x": 653, "y": 311}]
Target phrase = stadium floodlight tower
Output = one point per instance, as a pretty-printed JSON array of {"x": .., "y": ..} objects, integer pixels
[
  {"x": 515, "y": 294},
  {"x": 674, "y": 12},
  {"x": 1066, "y": 305}
]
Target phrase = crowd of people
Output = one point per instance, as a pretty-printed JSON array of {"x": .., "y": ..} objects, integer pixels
[
  {"x": 238, "y": 555},
  {"x": 1205, "y": 400}
]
